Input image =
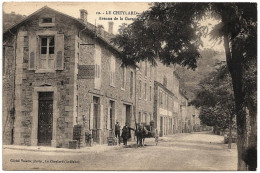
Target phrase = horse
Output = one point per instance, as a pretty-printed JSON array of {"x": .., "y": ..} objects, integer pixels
[{"x": 146, "y": 131}]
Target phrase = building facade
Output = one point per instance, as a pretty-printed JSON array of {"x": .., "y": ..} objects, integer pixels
[
  {"x": 144, "y": 92},
  {"x": 63, "y": 73},
  {"x": 63, "y": 80},
  {"x": 166, "y": 101}
]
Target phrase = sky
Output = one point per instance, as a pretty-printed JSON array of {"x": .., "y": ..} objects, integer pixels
[{"x": 99, "y": 13}]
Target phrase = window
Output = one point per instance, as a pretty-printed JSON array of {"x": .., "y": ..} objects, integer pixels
[
  {"x": 165, "y": 81},
  {"x": 123, "y": 77},
  {"x": 146, "y": 119},
  {"x": 140, "y": 89},
  {"x": 47, "y": 47},
  {"x": 25, "y": 41},
  {"x": 97, "y": 62},
  {"x": 46, "y": 21},
  {"x": 97, "y": 71},
  {"x": 150, "y": 93},
  {"x": 166, "y": 100},
  {"x": 145, "y": 92},
  {"x": 131, "y": 84},
  {"x": 112, "y": 70},
  {"x": 139, "y": 117},
  {"x": 111, "y": 112},
  {"x": 160, "y": 98},
  {"x": 96, "y": 112}
]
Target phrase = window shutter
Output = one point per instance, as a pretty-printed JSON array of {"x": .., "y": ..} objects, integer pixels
[
  {"x": 32, "y": 49},
  {"x": 91, "y": 114},
  {"x": 59, "y": 45}
]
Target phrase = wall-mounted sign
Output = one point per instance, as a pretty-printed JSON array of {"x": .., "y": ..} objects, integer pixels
[{"x": 86, "y": 71}]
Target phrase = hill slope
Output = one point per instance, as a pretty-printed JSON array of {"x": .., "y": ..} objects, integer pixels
[{"x": 190, "y": 79}]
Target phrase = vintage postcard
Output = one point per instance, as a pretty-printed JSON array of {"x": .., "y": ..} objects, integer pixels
[{"x": 129, "y": 86}]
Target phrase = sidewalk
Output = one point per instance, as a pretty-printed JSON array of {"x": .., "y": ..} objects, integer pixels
[{"x": 95, "y": 148}]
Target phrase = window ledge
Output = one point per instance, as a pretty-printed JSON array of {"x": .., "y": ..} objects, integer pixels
[
  {"x": 45, "y": 71},
  {"x": 112, "y": 85},
  {"x": 46, "y": 24}
]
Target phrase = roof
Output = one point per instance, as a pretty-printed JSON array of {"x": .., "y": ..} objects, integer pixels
[
  {"x": 166, "y": 89},
  {"x": 105, "y": 37}
]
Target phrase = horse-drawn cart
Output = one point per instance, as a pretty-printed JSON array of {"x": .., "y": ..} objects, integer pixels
[{"x": 146, "y": 131}]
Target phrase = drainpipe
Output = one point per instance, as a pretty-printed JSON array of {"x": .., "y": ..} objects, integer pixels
[{"x": 81, "y": 31}]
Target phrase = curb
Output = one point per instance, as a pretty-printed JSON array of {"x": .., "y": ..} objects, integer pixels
[{"x": 65, "y": 150}]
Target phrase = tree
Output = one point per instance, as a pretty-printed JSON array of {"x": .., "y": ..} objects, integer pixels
[
  {"x": 10, "y": 19},
  {"x": 216, "y": 100},
  {"x": 171, "y": 33}
]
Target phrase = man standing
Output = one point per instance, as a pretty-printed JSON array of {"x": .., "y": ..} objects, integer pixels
[
  {"x": 126, "y": 133},
  {"x": 117, "y": 132}
]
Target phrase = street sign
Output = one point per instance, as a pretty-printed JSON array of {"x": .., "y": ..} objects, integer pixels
[{"x": 86, "y": 71}]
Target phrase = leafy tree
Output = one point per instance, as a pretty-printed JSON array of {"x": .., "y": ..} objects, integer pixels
[
  {"x": 171, "y": 33},
  {"x": 216, "y": 100},
  {"x": 10, "y": 19}
]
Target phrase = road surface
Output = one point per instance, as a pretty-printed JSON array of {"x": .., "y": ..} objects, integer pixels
[{"x": 195, "y": 151}]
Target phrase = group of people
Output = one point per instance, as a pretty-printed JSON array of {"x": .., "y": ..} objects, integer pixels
[{"x": 126, "y": 132}]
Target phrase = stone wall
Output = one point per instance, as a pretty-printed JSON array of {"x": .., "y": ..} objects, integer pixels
[
  {"x": 8, "y": 88},
  {"x": 144, "y": 106},
  {"x": 62, "y": 80},
  {"x": 107, "y": 93}
]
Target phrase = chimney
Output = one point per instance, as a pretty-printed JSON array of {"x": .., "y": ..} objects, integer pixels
[
  {"x": 100, "y": 29},
  {"x": 110, "y": 27},
  {"x": 84, "y": 15}
]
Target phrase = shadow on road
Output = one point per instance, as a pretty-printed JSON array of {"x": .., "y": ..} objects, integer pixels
[{"x": 199, "y": 142}]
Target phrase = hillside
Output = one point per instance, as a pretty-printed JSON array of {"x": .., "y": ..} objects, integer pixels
[
  {"x": 10, "y": 19},
  {"x": 190, "y": 79}
]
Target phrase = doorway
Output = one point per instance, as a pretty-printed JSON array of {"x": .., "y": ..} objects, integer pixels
[
  {"x": 96, "y": 102},
  {"x": 128, "y": 114},
  {"x": 45, "y": 118}
]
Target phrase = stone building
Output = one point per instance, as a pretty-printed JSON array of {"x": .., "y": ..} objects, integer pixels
[
  {"x": 166, "y": 101},
  {"x": 193, "y": 114},
  {"x": 59, "y": 72},
  {"x": 184, "y": 121},
  {"x": 63, "y": 80},
  {"x": 144, "y": 92}
]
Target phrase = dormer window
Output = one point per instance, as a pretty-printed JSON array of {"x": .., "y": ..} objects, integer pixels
[{"x": 47, "y": 21}]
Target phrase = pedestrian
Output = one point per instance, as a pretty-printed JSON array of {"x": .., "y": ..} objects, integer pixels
[
  {"x": 126, "y": 133},
  {"x": 117, "y": 132}
]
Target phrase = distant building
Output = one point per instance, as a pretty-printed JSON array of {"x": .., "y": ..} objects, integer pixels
[{"x": 166, "y": 104}]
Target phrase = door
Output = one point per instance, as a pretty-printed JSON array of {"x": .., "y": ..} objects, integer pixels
[
  {"x": 161, "y": 126},
  {"x": 128, "y": 115},
  {"x": 45, "y": 118},
  {"x": 95, "y": 118},
  {"x": 111, "y": 117}
]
